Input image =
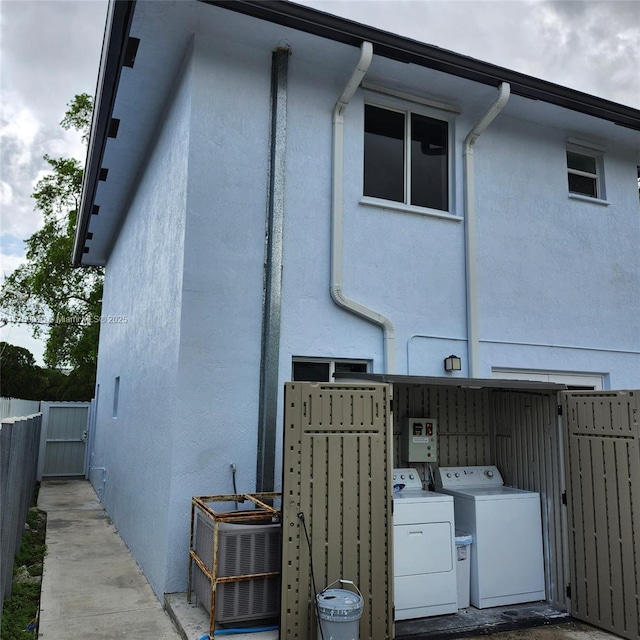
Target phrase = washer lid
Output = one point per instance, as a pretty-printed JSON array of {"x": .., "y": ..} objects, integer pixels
[
  {"x": 408, "y": 496},
  {"x": 491, "y": 493}
]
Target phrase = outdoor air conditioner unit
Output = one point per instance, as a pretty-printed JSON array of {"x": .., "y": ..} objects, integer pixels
[{"x": 243, "y": 549}]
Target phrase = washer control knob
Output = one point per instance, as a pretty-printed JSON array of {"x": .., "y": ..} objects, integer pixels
[
  {"x": 402, "y": 476},
  {"x": 457, "y": 475},
  {"x": 411, "y": 476},
  {"x": 448, "y": 475},
  {"x": 488, "y": 473}
]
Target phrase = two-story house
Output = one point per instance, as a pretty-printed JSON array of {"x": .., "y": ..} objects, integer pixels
[{"x": 278, "y": 193}]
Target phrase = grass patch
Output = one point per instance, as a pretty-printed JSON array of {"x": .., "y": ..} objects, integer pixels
[{"x": 21, "y": 608}]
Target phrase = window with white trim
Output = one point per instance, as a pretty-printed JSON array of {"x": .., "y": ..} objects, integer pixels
[
  {"x": 584, "y": 169},
  {"x": 323, "y": 370},
  {"x": 406, "y": 157}
]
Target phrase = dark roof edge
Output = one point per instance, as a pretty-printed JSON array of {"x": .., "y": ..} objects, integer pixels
[
  {"x": 403, "y": 49},
  {"x": 465, "y": 383},
  {"x": 118, "y": 26}
]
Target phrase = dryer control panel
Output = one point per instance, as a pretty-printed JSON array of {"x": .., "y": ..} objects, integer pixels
[{"x": 419, "y": 440}]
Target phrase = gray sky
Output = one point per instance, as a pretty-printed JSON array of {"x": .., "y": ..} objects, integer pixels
[{"x": 50, "y": 50}]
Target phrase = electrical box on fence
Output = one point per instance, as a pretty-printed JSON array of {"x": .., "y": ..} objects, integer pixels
[{"x": 419, "y": 440}]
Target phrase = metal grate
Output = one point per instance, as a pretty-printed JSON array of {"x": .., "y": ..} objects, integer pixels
[{"x": 235, "y": 558}]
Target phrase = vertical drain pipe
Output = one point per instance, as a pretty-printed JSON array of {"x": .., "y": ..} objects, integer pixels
[
  {"x": 272, "y": 277},
  {"x": 337, "y": 214},
  {"x": 473, "y": 341}
]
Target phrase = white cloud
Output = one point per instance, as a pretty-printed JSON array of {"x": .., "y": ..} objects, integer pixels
[{"x": 9, "y": 263}]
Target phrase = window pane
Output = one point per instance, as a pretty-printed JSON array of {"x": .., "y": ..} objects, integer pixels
[
  {"x": 429, "y": 163},
  {"x": 581, "y": 162},
  {"x": 583, "y": 185},
  {"x": 383, "y": 154},
  {"x": 351, "y": 367},
  {"x": 311, "y": 371}
]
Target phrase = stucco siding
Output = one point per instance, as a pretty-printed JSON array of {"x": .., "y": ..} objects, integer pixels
[
  {"x": 220, "y": 324},
  {"x": 554, "y": 270},
  {"x": 558, "y": 278},
  {"x": 144, "y": 286}
]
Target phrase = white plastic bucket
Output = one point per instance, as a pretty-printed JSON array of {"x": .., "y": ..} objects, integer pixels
[{"x": 339, "y": 612}]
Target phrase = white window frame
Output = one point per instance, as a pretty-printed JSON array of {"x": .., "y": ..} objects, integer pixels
[
  {"x": 405, "y": 106},
  {"x": 591, "y": 151},
  {"x": 331, "y": 362}
]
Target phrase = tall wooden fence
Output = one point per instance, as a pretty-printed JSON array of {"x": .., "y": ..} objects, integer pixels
[{"x": 19, "y": 447}]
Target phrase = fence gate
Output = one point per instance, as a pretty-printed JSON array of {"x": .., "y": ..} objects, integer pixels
[
  {"x": 336, "y": 489},
  {"x": 63, "y": 445},
  {"x": 603, "y": 501}
]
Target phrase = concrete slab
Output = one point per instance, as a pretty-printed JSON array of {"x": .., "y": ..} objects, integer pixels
[
  {"x": 192, "y": 620},
  {"x": 92, "y": 588}
]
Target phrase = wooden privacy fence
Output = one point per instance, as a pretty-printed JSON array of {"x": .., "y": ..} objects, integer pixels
[{"x": 19, "y": 446}]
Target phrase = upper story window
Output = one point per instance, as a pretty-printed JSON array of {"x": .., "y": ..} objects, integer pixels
[
  {"x": 585, "y": 171},
  {"x": 583, "y": 174},
  {"x": 406, "y": 158}
]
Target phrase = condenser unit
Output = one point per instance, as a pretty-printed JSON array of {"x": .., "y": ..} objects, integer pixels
[{"x": 243, "y": 549}]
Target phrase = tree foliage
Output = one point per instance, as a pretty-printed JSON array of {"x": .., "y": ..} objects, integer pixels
[
  {"x": 21, "y": 377},
  {"x": 59, "y": 301}
]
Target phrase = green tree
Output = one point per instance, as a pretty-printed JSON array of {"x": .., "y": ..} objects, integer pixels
[
  {"x": 59, "y": 301},
  {"x": 19, "y": 374}
]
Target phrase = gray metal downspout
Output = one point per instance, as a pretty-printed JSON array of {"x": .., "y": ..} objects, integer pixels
[{"x": 272, "y": 279}]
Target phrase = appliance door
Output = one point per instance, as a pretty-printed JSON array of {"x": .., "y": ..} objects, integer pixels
[
  {"x": 422, "y": 548},
  {"x": 508, "y": 548}
]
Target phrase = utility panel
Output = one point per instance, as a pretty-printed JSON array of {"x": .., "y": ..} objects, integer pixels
[{"x": 419, "y": 440}]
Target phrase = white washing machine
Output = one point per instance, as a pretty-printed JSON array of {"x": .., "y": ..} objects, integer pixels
[
  {"x": 506, "y": 554},
  {"x": 423, "y": 549}
]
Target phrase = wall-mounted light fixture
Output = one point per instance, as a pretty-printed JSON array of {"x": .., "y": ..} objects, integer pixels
[{"x": 452, "y": 363}]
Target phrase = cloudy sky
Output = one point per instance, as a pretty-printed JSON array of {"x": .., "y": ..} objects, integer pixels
[{"x": 50, "y": 50}]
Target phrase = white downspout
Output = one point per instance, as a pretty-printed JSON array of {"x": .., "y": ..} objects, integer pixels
[
  {"x": 337, "y": 213},
  {"x": 473, "y": 340}
]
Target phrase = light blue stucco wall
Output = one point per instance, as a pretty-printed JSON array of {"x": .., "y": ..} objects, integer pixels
[
  {"x": 557, "y": 276},
  {"x": 218, "y": 367},
  {"x": 143, "y": 284}
]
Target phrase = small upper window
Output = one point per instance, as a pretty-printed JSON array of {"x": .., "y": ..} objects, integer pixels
[
  {"x": 584, "y": 174},
  {"x": 406, "y": 158}
]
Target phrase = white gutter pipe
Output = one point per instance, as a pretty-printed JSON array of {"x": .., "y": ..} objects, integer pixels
[
  {"x": 337, "y": 214},
  {"x": 473, "y": 340}
]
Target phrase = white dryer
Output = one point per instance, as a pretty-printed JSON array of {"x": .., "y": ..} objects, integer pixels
[
  {"x": 423, "y": 549},
  {"x": 506, "y": 554}
]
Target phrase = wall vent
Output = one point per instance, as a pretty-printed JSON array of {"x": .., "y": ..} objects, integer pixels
[{"x": 243, "y": 549}]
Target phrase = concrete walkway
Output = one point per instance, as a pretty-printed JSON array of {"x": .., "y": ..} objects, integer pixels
[{"x": 92, "y": 588}]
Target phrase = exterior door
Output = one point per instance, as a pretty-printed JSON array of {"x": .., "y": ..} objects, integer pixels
[
  {"x": 336, "y": 503},
  {"x": 603, "y": 501},
  {"x": 65, "y": 434}
]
